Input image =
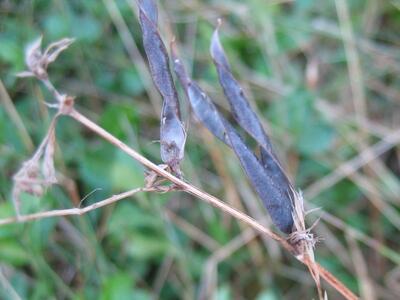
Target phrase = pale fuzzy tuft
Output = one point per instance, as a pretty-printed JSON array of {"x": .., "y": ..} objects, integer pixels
[
  {"x": 302, "y": 240},
  {"x": 38, "y": 61},
  {"x": 301, "y": 234}
]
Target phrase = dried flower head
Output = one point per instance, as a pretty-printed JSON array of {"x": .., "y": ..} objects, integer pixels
[
  {"x": 38, "y": 61},
  {"x": 38, "y": 173}
]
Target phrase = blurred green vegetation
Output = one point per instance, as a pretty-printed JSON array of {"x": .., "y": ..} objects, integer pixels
[{"x": 164, "y": 245}]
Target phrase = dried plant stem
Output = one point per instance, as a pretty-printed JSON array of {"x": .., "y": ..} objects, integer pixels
[
  {"x": 70, "y": 211},
  {"x": 330, "y": 278},
  {"x": 335, "y": 283}
]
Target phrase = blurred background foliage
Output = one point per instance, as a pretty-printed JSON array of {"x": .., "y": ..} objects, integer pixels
[{"x": 324, "y": 75}]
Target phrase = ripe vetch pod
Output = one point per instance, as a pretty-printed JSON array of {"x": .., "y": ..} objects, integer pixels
[
  {"x": 172, "y": 131},
  {"x": 283, "y": 192},
  {"x": 265, "y": 174}
]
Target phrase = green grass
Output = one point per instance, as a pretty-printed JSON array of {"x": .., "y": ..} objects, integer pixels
[{"x": 149, "y": 245}]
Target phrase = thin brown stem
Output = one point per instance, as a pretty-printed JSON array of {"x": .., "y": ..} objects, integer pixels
[{"x": 70, "y": 211}]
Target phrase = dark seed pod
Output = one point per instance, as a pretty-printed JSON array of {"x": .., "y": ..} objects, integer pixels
[
  {"x": 172, "y": 132},
  {"x": 202, "y": 105},
  {"x": 249, "y": 121},
  {"x": 266, "y": 176},
  {"x": 244, "y": 115},
  {"x": 275, "y": 199},
  {"x": 240, "y": 107}
]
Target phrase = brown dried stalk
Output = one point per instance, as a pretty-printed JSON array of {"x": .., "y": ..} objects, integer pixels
[{"x": 71, "y": 211}]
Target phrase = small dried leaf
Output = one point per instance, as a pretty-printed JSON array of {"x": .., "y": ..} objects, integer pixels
[
  {"x": 54, "y": 49},
  {"x": 27, "y": 180},
  {"x": 172, "y": 131},
  {"x": 37, "y": 62},
  {"x": 33, "y": 51},
  {"x": 38, "y": 173},
  {"x": 33, "y": 58}
]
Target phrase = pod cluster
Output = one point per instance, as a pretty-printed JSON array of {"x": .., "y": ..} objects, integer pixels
[{"x": 264, "y": 172}]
